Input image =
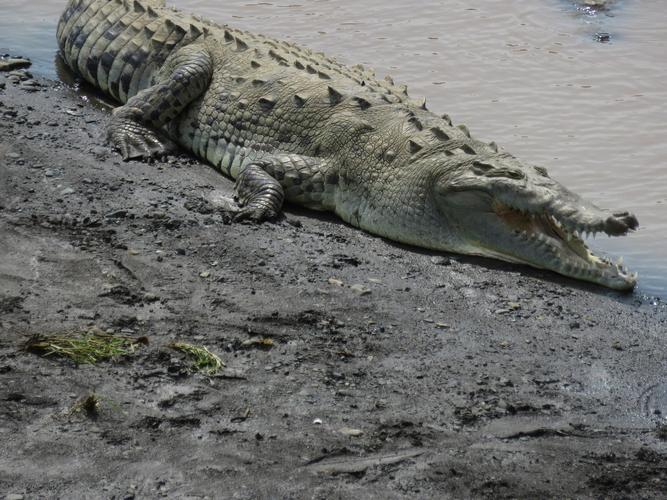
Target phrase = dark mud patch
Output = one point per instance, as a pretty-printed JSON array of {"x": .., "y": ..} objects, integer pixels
[{"x": 354, "y": 368}]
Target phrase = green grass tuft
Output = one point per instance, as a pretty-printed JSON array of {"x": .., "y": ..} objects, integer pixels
[
  {"x": 203, "y": 360},
  {"x": 89, "y": 346}
]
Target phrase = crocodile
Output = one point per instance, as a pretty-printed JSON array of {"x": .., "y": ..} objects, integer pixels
[{"x": 290, "y": 124}]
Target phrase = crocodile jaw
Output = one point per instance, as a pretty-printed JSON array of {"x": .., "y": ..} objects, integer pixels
[{"x": 543, "y": 236}]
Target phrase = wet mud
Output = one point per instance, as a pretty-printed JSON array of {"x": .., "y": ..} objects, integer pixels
[{"x": 390, "y": 372}]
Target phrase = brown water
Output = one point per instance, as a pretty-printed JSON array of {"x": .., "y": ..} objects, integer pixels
[{"x": 528, "y": 75}]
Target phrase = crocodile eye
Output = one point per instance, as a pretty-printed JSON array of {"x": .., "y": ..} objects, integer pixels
[
  {"x": 512, "y": 174},
  {"x": 488, "y": 170},
  {"x": 481, "y": 168}
]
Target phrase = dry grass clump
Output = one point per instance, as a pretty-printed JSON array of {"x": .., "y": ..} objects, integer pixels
[
  {"x": 203, "y": 360},
  {"x": 88, "y": 346}
]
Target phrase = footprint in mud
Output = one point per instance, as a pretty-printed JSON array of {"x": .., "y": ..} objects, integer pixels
[{"x": 653, "y": 401}]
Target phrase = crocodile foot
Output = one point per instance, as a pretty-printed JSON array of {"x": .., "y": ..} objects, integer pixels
[
  {"x": 258, "y": 194},
  {"x": 136, "y": 141},
  {"x": 254, "y": 215}
]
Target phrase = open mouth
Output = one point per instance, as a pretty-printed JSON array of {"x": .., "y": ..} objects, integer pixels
[{"x": 559, "y": 242}]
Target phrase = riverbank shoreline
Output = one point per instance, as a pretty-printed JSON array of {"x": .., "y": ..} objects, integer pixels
[{"x": 390, "y": 373}]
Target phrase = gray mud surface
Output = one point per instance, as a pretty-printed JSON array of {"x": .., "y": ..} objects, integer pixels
[{"x": 394, "y": 373}]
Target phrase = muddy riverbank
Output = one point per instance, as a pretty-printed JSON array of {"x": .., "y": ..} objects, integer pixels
[{"x": 391, "y": 372}]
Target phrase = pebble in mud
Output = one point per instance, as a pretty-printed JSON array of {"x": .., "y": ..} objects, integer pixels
[
  {"x": 12, "y": 63},
  {"x": 602, "y": 37}
]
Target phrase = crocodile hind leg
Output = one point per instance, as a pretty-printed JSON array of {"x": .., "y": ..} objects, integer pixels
[{"x": 135, "y": 128}]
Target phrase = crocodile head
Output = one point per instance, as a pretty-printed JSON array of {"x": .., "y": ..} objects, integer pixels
[{"x": 503, "y": 209}]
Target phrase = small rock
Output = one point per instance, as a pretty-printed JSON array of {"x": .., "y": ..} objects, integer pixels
[
  {"x": 442, "y": 325},
  {"x": 317, "y": 421},
  {"x": 504, "y": 382},
  {"x": 334, "y": 281},
  {"x": 360, "y": 289},
  {"x": 13, "y": 63},
  {"x": 204, "y": 274},
  {"x": 67, "y": 191},
  {"x": 602, "y": 37},
  {"x": 30, "y": 86},
  {"x": 351, "y": 432}
]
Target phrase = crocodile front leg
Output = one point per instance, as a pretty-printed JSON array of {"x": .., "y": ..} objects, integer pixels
[
  {"x": 265, "y": 180},
  {"x": 258, "y": 194},
  {"x": 135, "y": 128}
]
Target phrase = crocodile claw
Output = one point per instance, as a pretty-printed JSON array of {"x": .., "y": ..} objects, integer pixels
[
  {"x": 134, "y": 141},
  {"x": 254, "y": 215}
]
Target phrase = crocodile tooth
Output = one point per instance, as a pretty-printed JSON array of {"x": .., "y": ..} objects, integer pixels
[
  {"x": 403, "y": 89},
  {"x": 228, "y": 36},
  {"x": 493, "y": 146},
  {"x": 446, "y": 117},
  {"x": 335, "y": 97},
  {"x": 389, "y": 80},
  {"x": 422, "y": 103}
]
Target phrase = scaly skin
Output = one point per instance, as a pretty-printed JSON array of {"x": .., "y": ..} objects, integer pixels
[{"x": 288, "y": 123}]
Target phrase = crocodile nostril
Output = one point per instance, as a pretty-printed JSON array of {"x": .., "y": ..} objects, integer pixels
[{"x": 542, "y": 171}]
